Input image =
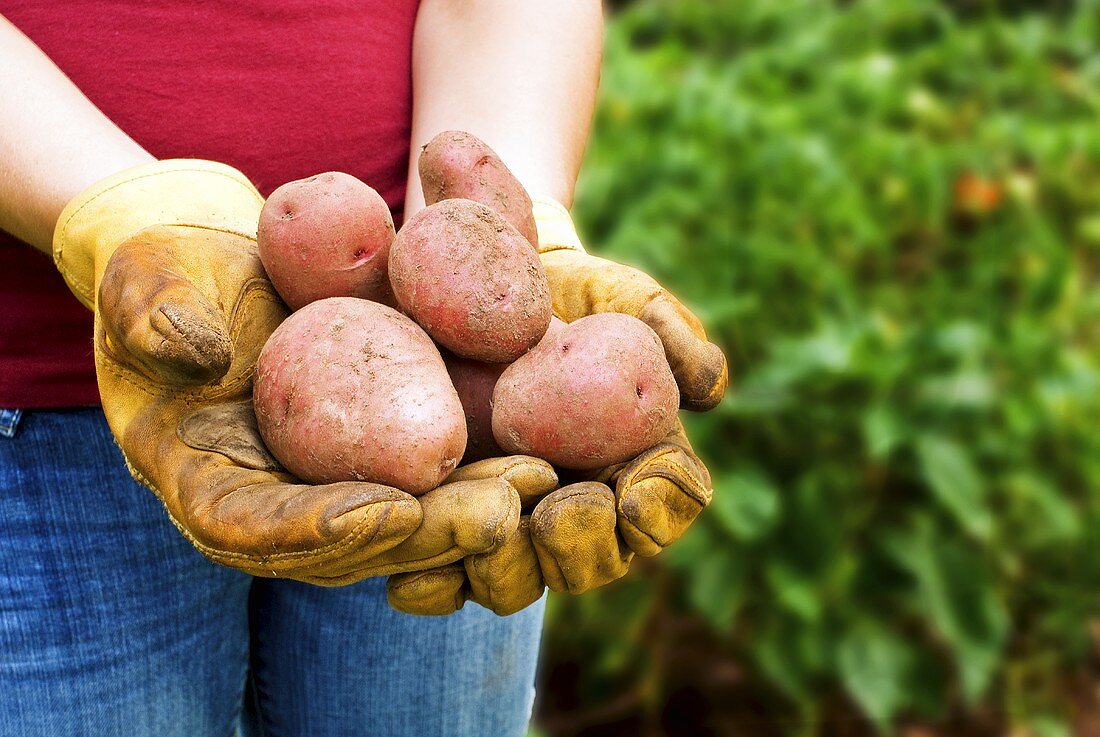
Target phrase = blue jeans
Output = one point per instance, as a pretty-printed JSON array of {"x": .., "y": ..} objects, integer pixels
[{"x": 112, "y": 624}]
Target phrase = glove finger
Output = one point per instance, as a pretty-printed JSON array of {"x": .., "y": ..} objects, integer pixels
[
  {"x": 575, "y": 534},
  {"x": 250, "y": 520},
  {"x": 660, "y": 493},
  {"x": 533, "y": 478},
  {"x": 459, "y": 519},
  {"x": 434, "y": 592},
  {"x": 156, "y": 319},
  {"x": 699, "y": 366},
  {"x": 507, "y": 580},
  {"x": 504, "y": 581}
]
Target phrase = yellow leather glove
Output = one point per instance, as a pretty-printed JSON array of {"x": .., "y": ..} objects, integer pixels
[
  {"x": 585, "y": 535},
  {"x": 577, "y": 538},
  {"x": 580, "y": 550},
  {"x": 165, "y": 255},
  {"x": 659, "y": 493},
  {"x": 504, "y": 580}
]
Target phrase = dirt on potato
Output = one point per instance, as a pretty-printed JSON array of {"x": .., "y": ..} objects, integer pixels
[
  {"x": 351, "y": 390},
  {"x": 459, "y": 165},
  {"x": 471, "y": 281}
]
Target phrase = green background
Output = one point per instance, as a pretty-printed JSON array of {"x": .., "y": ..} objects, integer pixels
[{"x": 888, "y": 214}]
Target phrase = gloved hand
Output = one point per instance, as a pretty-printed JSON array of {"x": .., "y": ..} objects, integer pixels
[
  {"x": 585, "y": 535},
  {"x": 583, "y": 285},
  {"x": 165, "y": 255},
  {"x": 659, "y": 493},
  {"x": 504, "y": 580},
  {"x": 577, "y": 538}
]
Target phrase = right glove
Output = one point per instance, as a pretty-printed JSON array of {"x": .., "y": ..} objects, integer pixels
[
  {"x": 585, "y": 535},
  {"x": 577, "y": 538},
  {"x": 165, "y": 255}
]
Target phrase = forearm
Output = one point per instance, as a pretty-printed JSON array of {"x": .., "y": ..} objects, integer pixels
[
  {"x": 53, "y": 141},
  {"x": 521, "y": 76}
]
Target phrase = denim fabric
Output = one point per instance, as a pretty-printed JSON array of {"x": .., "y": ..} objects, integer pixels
[
  {"x": 112, "y": 624},
  {"x": 9, "y": 420}
]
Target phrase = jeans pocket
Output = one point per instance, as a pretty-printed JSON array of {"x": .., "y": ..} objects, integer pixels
[{"x": 9, "y": 421}]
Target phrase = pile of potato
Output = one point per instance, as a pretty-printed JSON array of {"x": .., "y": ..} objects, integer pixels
[{"x": 413, "y": 351}]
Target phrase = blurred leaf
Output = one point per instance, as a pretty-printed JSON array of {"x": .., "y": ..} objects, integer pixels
[
  {"x": 963, "y": 389},
  {"x": 1051, "y": 517},
  {"x": 794, "y": 592},
  {"x": 956, "y": 483},
  {"x": 713, "y": 572},
  {"x": 1049, "y": 726},
  {"x": 716, "y": 591},
  {"x": 955, "y": 589},
  {"x": 789, "y": 654},
  {"x": 873, "y": 665},
  {"x": 746, "y": 503},
  {"x": 882, "y": 431}
]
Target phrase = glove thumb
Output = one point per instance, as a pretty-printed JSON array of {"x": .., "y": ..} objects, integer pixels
[{"x": 158, "y": 318}]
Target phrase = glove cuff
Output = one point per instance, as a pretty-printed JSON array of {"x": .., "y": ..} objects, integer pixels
[
  {"x": 555, "y": 226},
  {"x": 170, "y": 192}
]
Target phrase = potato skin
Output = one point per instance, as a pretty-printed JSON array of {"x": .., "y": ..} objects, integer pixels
[
  {"x": 456, "y": 164},
  {"x": 474, "y": 382},
  {"x": 351, "y": 390},
  {"x": 471, "y": 281},
  {"x": 595, "y": 393},
  {"x": 326, "y": 236}
]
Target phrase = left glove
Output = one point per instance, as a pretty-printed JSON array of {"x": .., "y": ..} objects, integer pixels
[
  {"x": 165, "y": 255},
  {"x": 504, "y": 580}
]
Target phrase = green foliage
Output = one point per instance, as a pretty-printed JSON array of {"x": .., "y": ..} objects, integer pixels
[{"x": 888, "y": 213}]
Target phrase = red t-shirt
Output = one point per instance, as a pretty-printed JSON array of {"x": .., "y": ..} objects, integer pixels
[{"x": 280, "y": 89}]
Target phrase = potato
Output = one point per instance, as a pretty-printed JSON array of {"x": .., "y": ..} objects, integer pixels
[
  {"x": 456, "y": 164},
  {"x": 597, "y": 392},
  {"x": 348, "y": 389},
  {"x": 470, "y": 280},
  {"x": 474, "y": 382},
  {"x": 326, "y": 236}
]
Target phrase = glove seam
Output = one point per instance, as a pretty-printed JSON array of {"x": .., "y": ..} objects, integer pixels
[
  {"x": 679, "y": 474},
  {"x": 641, "y": 533}
]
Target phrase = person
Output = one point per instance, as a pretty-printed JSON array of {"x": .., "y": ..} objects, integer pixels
[{"x": 137, "y": 142}]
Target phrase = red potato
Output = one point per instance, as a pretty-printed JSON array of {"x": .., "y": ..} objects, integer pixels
[
  {"x": 597, "y": 392},
  {"x": 456, "y": 164},
  {"x": 348, "y": 389},
  {"x": 326, "y": 236},
  {"x": 474, "y": 381},
  {"x": 471, "y": 281}
]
